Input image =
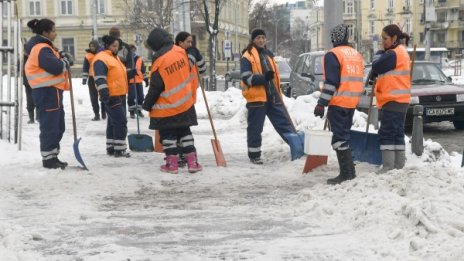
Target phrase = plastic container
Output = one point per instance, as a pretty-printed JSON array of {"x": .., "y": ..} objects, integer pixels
[{"x": 317, "y": 142}]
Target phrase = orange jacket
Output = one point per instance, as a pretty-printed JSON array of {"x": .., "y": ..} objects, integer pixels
[
  {"x": 90, "y": 57},
  {"x": 351, "y": 77},
  {"x": 139, "y": 76},
  {"x": 38, "y": 77},
  {"x": 395, "y": 85},
  {"x": 257, "y": 93},
  {"x": 116, "y": 76},
  {"x": 174, "y": 69}
]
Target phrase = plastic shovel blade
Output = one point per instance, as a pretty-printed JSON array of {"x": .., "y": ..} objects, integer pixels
[
  {"x": 296, "y": 143},
  {"x": 365, "y": 147},
  {"x": 140, "y": 142},
  {"x": 77, "y": 154},
  {"x": 220, "y": 160}
]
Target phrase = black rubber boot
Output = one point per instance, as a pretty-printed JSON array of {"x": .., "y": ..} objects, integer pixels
[
  {"x": 110, "y": 151},
  {"x": 132, "y": 114},
  {"x": 96, "y": 118},
  {"x": 103, "y": 113},
  {"x": 346, "y": 165},
  {"x": 31, "y": 116},
  {"x": 121, "y": 154},
  {"x": 53, "y": 163},
  {"x": 140, "y": 114}
]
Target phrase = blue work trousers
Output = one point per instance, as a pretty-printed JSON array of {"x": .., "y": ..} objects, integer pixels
[
  {"x": 391, "y": 132},
  {"x": 340, "y": 120},
  {"x": 49, "y": 102}
]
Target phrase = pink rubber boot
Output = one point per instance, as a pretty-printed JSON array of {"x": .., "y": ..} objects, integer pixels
[
  {"x": 171, "y": 164},
  {"x": 192, "y": 162}
]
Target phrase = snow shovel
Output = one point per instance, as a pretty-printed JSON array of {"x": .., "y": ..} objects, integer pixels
[
  {"x": 158, "y": 145},
  {"x": 139, "y": 142},
  {"x": 296, "y": 138},
  {"x": 365, "y": 146},
  {"x": 220, "y": 160},
  {"x": 77, "y": 153}
]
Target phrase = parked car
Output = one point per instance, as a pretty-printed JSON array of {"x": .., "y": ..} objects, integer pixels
[
  {"x": 431, "y": 88},
  {"x": 284, "y": 72},
  {"x": 306, "y": 76}
]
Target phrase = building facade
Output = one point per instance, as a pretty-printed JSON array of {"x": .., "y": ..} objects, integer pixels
[
  {"x": 366, "y": 18},
  {"x": 74, "y": 21}
]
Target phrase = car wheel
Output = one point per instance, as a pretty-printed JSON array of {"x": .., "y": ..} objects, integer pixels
[
  {"x": 459, "y": 125},
  {"x": 227, "y": 77}
]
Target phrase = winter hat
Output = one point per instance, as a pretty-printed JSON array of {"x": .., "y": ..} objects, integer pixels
[
  {"x": 339, "y": 34},
  {"x": 157, "y": 38},
  {"x": 257, "y": 32}
]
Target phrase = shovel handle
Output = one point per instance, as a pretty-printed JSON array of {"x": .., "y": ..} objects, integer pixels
[
  {"x": 207, "y": 107},
  {"x": 72, "y": 104}
]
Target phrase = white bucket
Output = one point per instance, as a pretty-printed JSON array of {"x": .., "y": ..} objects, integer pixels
[{"x": 317, "y": 142}]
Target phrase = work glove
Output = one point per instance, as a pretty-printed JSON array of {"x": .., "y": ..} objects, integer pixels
[
  {"x": 269, "y": 75},
  {"x": 84, "y": 81},
  {"x": 319, "y": 111},
  {"x": 68, "y": 57},
  {"x": 146, "y": 81},
  {"x": 131, "y": 73},
  {"x": 104, "y": 95},
  {"x": 66, "y": 62}
]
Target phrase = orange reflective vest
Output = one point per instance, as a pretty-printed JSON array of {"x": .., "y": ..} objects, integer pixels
[
  {"x": 38, "y": 77},
  {"x": 139, "y": 76},
  {"x": 257, "y": 93},
  {"x": 395, "y": 85},
  {"x": 116, "y": 76},
  {"x": 174, "y": 69},
  {"x": 90, "y": 57},
  {"x": 351, "y": 77}
]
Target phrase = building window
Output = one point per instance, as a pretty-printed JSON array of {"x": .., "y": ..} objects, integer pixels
[
  {"x": 371, "y": 27},
  {"x": 372, "y": 5},
  {"x": 349, "y": 7},
  {"x": 101, "y": 6},
  {"x": 407, "y": 3},
  {"x": 66, "y": 7},
  {"x": 350, "y": 30},
  {"x": 407, "y": 26},
  {"x": 68, "y": 45},
  {"x": 390, "y": 4},
  {"x": 441, "y": 17},
  {"x": 34, "y": 8},
  {"x": 441, "y": 38},
  {"x": 462, "y": 35}
]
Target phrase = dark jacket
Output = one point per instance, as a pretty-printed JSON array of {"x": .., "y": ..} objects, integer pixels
[{"x": 160, "y": 42}]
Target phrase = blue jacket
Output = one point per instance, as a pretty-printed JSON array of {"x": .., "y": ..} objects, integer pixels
[{"x": 47, "y": 59}]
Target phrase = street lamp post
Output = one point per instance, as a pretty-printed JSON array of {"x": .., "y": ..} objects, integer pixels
[{"x": 275, "y": 34}]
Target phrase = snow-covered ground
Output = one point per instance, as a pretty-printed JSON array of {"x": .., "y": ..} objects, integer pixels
[{"x": 126, "y": 209}]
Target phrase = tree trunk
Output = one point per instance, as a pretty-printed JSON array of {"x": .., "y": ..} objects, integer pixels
[{"x": 212, "y": 62}]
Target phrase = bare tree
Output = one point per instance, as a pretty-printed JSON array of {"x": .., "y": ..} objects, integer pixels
[
  {"x": 148, "y": 14},
  {"x": 211, "y": 18}
]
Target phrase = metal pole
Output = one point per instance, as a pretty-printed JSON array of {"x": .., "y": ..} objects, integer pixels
[
  {"x": 275, "y": 44},
  {"x": 333, "y": 15},
  {"x": 1, "y": 70},
  {"x": 9, "y": 68},
  {"x": 428, "y": 36},
  {"x": 417, "y": 139},
  {"x": 236, "y": 41},
  {"x": 94, "y": 19}
]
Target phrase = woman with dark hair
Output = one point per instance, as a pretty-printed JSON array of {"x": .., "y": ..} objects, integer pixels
[
  {"x": 47, "y": 73},
  {"x": 88, "y": 78},
  {"x": 392, "y": 92},
  {"x": 111, "y": 81}
]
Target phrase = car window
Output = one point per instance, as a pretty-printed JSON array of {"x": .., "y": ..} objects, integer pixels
[
  {"x": 307, "y": 65},
  {"x": 284, "y": 67},
  {"x": 428, "y": 72},
  {"x": 299, "y": 64},
  {"x": 318, "y": 64}
]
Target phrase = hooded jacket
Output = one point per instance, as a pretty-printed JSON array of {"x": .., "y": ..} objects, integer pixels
[{"x": 160, "y": 42}]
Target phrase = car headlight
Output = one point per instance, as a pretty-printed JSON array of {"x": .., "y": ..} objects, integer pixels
[
  {"x": 414, "y": 100},
  {"x": 460, "y": 97}
]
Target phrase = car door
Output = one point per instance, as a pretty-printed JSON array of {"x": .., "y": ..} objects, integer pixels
[{"x": 295, "y": 76}]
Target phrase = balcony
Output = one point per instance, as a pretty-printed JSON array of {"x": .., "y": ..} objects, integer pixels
[
  {"x": 454, "y": 44},
  {"x": 447, "y": 4},
  {"x": 349, "y": 16},
  {"x": 440, "y": 26},
  {"x": 456, "y": 24}
]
